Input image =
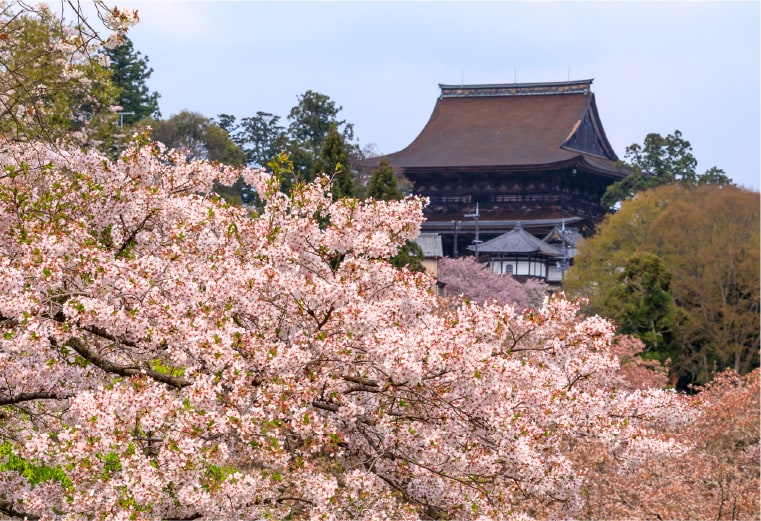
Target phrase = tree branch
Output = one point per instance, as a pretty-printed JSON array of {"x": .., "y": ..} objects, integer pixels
[
  {"x": 129, "y": 240},
  {"x": 363, "y": 388},
  {"x": 40, "y": 395},
  {"x": 98, "y": 331},
  {"x": 320, "y": 321},
  {"x": 325, "y": 406},
  {"x": 7, "y": 509},
  {"x": 124, "y": 370},
  {"x": 360, "y": 381}
]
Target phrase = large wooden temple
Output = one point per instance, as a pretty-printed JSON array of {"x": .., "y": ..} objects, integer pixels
[{"x": 494, "y": 157}]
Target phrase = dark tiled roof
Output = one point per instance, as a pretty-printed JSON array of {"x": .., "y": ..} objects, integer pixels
[
  {"x": 521, "y": 125},
  {"x": 517, "y": 240},
  {"x": 571, "y": 235}
]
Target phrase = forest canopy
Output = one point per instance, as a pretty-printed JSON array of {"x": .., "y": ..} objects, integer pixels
[{"x": 678, "y": 267}]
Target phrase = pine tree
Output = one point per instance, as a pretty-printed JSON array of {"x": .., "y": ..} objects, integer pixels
[
  {"x": 130, "y": 72},
  {"x": 310, "y": 122}
]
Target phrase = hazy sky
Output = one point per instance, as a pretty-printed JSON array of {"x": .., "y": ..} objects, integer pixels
[{"x": 657, "y": 66}]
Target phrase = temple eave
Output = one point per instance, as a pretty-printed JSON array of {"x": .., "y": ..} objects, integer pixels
[{"x": 579, "y": 161}]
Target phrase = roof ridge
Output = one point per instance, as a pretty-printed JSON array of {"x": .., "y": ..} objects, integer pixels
[{"x": 516, "y": 89}]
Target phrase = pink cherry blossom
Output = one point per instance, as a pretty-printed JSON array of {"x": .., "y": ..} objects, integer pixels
[{"x": 175, "y": 358}]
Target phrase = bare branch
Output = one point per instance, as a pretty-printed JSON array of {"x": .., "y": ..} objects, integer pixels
[
  {"x": 27, "y": 397},
  {"x": 321, "y": 321},
  {"x": 360, "y": 380},
  {"x": 325, "y": 406},
  {"x": 363, "y": 388}
]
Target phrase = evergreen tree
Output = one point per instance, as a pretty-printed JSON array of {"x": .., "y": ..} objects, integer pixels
[
  {"x": 659, "y": 161},
  {"x": 310, "y": 121},
  {"x": 409, "y": 256},
  {"x": 333, "y": 162},
  {"x": 130, "y": 72},
  {"x": 312, "y": 118},
  {"x": 263, "y": 139},
  {"x": 383, "y": 185},
  {"x": 643, "y": 306}
]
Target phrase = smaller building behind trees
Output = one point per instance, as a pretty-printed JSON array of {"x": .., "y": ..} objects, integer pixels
[{"x": 523, "y": 255}]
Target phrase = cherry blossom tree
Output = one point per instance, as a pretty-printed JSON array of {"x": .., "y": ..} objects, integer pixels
[
  {"x": 53, "y": 83},
  {"x": 166, "y": 356},
  {"x": 466, "y": 278},
  {"x": 638, "y": 372},
  {"x": 718, "y": 478}
]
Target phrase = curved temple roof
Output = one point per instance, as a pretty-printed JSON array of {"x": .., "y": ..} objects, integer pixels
[
  {"x": 517, "y": 126},
  {"x": 517, "y": 240}
]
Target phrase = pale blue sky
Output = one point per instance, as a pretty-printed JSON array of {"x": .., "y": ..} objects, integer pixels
[{"x": 657, "y": 66}]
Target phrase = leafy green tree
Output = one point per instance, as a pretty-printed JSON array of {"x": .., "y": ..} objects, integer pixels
[
  {"x": 51, "y": 88},
  {"x": 198, "y": 137},
  {"x": 707, "y": 239},
  {"x": 130, "y": 72},
  {"x": 221, "y": 148},
  {"x": 228, "y": 123},
  {"x": 660, "y": 160},
  {"x": 602, "y": 257},
  {"x": 234, "y": 194},
  {"x": 715, "y": 176},
  {"x": 383, "y": 185}
]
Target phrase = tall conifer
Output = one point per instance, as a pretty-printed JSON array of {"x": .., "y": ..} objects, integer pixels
[{"x": 130, "y": 71}]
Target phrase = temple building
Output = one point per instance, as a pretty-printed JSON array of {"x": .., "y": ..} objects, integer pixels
[
  {"x": 523, "y": 255},
  {"x": 495, "y": 157}
]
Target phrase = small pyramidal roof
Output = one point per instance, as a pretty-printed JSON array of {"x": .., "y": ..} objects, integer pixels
[
  {"x": 517, "y": 240},
  {"x": 514, "y": 126}
]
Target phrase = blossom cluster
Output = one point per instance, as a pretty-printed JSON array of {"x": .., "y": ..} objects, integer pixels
[{"x": 165, "y": 355}]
